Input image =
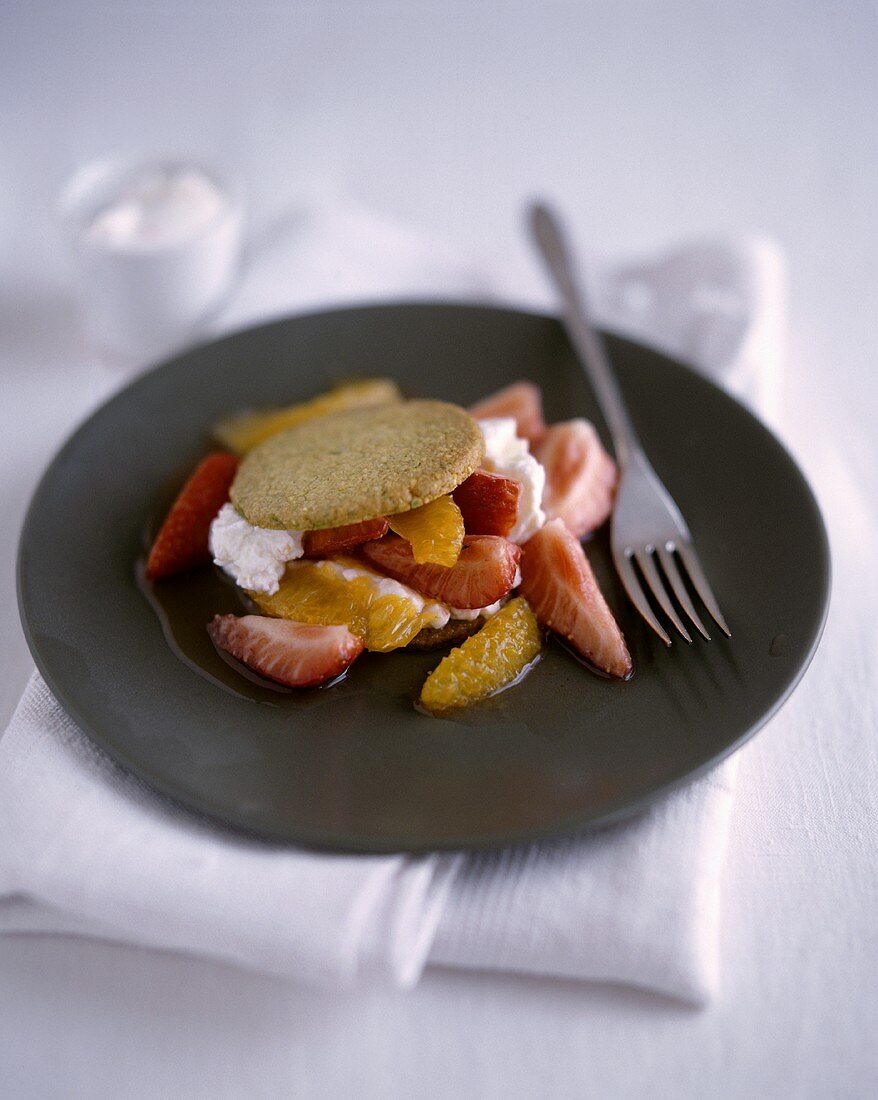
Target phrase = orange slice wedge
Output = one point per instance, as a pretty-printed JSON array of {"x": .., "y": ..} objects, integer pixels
[
  {"x": 245, "y": 431},
  {"x": 499, "y": 655},
  {"x": 435, "y": 531}
]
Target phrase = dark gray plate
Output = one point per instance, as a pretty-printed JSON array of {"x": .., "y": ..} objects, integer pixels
[{"x": 355, "y": 767}]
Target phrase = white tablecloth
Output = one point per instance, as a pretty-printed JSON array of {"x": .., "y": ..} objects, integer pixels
[{"x": 648, "y": 123}]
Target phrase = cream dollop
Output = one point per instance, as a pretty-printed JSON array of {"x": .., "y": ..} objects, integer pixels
[{"x": 254, "y": 557}]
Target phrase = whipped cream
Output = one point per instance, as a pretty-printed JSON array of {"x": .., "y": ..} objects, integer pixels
[
  {"x": 508, "y": 455},
  {"x": 254, "y": 557}
]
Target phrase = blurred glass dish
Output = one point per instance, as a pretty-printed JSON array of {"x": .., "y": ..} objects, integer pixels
[{"x": 157, "y": 245}]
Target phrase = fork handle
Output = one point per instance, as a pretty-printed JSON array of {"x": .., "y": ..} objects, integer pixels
[{"x": 550, "y": 241}]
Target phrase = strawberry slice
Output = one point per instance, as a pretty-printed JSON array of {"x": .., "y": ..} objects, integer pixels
[
  {"x": 182, "y": 542},
  {"x": 293, "y": 654},
  {"x": 484, "y": 573},
  {"x": 523, "y": 401},
  {"x": 557, "y": 581},
  {"x": 341, "y": 540},
  {"x": 488, "y": 503},
  {"x": 581, "y": 477}
]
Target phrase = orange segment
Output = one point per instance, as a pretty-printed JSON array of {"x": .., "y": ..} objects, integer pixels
[
  {"x": 243, "y": 432},
  {"x": 435, "y": 531},
  {"x": 487, "y": 662},
  {"x": 385, "y": 614}
]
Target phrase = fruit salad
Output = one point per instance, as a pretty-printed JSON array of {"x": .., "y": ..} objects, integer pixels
[{"x": 361, "y": 521}]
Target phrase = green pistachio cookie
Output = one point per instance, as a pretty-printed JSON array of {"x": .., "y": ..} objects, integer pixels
[{"x": 356, "y": 465}]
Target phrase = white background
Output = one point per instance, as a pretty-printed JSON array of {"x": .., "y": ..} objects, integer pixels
[{"x": 647, "y": 122}]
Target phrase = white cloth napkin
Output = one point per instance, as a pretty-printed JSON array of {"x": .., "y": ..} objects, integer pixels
[{"x": 85, "y": 848}]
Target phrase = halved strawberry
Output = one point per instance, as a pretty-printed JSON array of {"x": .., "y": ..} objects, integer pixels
[
  {"x": 557, "y": 581},
  {"x": 341, "y": 540},
  {"x": 523, "y": 401},
  {"x": 484, "y": 573},
  {"x": 581, "y": 477},
  {"x": 488, "y": 503},
  {"x": 293, "y": 654},
  {"x": 181, "y": 543}
]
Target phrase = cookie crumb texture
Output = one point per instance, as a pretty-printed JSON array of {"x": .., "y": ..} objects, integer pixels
[{"x": 358, "y": 465}]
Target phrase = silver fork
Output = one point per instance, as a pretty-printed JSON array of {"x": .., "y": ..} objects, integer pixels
[{"x": 647, "y": 527}]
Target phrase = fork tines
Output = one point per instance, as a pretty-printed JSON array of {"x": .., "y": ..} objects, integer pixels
[{"x": 654, "y": 563}]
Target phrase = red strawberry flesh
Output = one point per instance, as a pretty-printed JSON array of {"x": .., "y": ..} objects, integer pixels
[
  {"x": 341, "y": 540},
  {"x": 488, "y": 503},
  {"x": 484, "y": 573},
  {"x": 581, "y": 477},
  {"x": 289, "y": 653},
  {"x": 182, "y": 541},
  {"x": 558, "y": 583},
  {"x": 523, "y": 401}
]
